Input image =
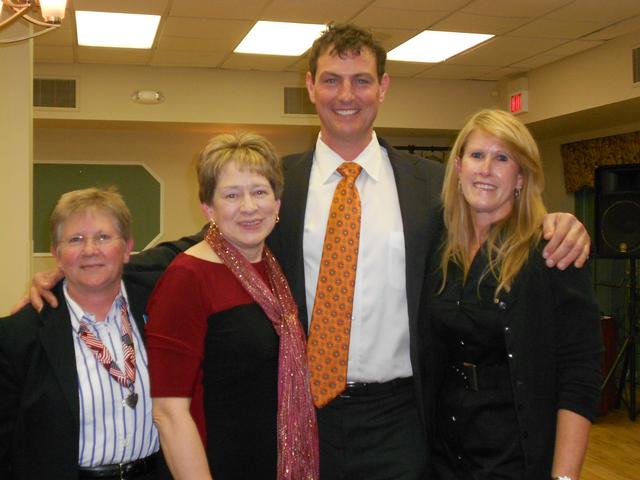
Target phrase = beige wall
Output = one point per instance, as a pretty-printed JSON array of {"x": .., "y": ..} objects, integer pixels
[
  {"x": 16, "y": 163},
  {"x": 595, "y": 77},
  {"x": 208, "y": 96}
]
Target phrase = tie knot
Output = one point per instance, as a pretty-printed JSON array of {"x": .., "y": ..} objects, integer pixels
[{"x": 350, "y": 170}]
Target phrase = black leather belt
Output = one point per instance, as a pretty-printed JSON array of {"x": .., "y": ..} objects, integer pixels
[
  {"x": 481, "y": 377},
  {"x": 358, "y": 389},
  {"x": 121, "y": 470}
]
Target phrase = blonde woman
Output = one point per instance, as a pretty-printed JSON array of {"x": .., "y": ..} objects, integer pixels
[{"x": 518, "y": 344}]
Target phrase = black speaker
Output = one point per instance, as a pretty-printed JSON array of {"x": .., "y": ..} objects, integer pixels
[{"x": 618, "y": 211}]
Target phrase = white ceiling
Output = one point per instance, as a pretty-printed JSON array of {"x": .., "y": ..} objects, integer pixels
[{"x": 203, "y": 33}]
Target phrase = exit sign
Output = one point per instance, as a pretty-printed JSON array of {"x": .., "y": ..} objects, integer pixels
[{"x": 519, "y": 102}]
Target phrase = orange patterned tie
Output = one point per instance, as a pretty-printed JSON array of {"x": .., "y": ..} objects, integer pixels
[{"x": 328, "y": 345}]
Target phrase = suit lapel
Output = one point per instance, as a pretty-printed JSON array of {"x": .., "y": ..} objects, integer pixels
[
  {"x": 56, "y": 338},
  {"x": 138, "y": 297},
  {"x": 297, "y": 170}
]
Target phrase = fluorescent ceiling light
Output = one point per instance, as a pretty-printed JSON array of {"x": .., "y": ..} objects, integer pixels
[
  {"x": 432, "y": 46},
  {"x": 280, "y": 38},
  {"x": 118, "y": 30}
]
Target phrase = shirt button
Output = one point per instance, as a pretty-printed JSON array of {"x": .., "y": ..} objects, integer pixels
[{"x": 510, "y": 355}]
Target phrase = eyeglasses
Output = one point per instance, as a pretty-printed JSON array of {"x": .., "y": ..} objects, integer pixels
[{"x": 99, "y": 240}]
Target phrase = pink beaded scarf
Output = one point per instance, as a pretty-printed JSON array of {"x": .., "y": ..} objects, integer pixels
[{"x": 298, "y": 455}]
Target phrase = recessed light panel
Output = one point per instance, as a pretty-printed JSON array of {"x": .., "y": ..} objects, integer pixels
[
  {"x": 280, "y": 38},
  {"x": 433, "y": 46},
  {"x": 117, "y": 30}
]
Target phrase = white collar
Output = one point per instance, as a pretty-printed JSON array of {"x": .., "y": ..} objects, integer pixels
[{"x": 327, "y": 160}]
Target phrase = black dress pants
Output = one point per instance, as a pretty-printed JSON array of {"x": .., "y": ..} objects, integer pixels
[{"x": 372, "y": 437}]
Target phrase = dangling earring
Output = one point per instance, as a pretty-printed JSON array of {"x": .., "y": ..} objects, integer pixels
[
  {"x": 212, "y": 222},
  {"x": 277, "y": 218},
  {"x": 517, "y": 191},
  {"x": 459, "y": 186}
]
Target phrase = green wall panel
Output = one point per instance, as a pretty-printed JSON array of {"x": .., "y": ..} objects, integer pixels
[{"x": 140, "y": 190}]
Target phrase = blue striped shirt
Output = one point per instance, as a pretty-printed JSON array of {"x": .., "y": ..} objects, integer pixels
[{"x": 110, "y": 431}]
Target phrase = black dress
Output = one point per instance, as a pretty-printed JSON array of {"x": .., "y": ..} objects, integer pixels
[
  {"x": 476, "y": 423},
  {"x": 208, "y": 340}
]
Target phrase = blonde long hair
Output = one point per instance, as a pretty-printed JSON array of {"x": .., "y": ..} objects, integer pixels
[{"x": 509, "y": 240}]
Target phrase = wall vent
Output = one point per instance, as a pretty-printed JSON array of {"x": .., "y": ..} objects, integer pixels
[
  {"x": 636, "y": 64},
  {"x": 296, "y": 101},
  {"x": 54, "y": 92}
]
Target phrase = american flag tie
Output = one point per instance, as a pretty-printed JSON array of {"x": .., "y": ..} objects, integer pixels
[{"x": 102, "y": 354}]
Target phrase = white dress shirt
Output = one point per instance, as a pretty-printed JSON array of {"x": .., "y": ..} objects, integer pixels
[
  {"x": 379, "y": 342},
  {"x": 110, "y": 431}
]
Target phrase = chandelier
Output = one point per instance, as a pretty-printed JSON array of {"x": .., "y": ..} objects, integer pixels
[{"x": 52, "y": 12}]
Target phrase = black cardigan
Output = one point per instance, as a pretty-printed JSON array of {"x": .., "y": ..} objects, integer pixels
[{"x": 553, "y": 338}]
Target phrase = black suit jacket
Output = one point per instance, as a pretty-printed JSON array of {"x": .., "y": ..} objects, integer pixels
[
  {"x": 419, "y": 183},
  {"x": 39, "y": 406}
]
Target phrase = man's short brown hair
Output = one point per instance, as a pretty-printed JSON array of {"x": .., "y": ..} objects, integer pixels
[{"x": 345, "y": 39}]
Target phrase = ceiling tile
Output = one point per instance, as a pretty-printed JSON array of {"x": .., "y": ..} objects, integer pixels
[
  {"x": 406, "y": 69},
  {"x": 616, "y": 30},
  {"x": 607, "y": 10},
  {"x": 511, "y": 8},
  {"x": 227, "y": 32},
  {"x": 537, "y": 61},
  {"x": 555, "y": 28},
  {"x": 269, "y": 63},
  {"x": 228, "y": 9},
  {"x": 505, "y": 51},
  {"x": 379, "y": 17},
  {"x": 124, "y": 56},
  {"x": 472, "y": 23},
  {"x": 313, "y": 11},
  {"x": 426, "y": 5},
  {"x": 166, "y": 58},
  {"x": 183, "y": 44},
  {"x": 571, "y": 48},
  {"x": 457, "y": 72},
  {"x": 501, "y": 73},
  {"x": 149, "y": 7},
  {"x": 391, "y": 38}
]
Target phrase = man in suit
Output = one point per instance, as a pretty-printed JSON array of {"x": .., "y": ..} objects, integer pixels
[
  {"x": 373, "y": 428},
  {"x": 63, "y": 415},
  {"x": 377, "y": 426}
]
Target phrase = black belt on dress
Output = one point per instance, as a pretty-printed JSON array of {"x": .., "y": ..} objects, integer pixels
[
  {"x": 481, "y": 377},
  {"x": 359, "y": 389},
  {"x": 121, "y": 470}
]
